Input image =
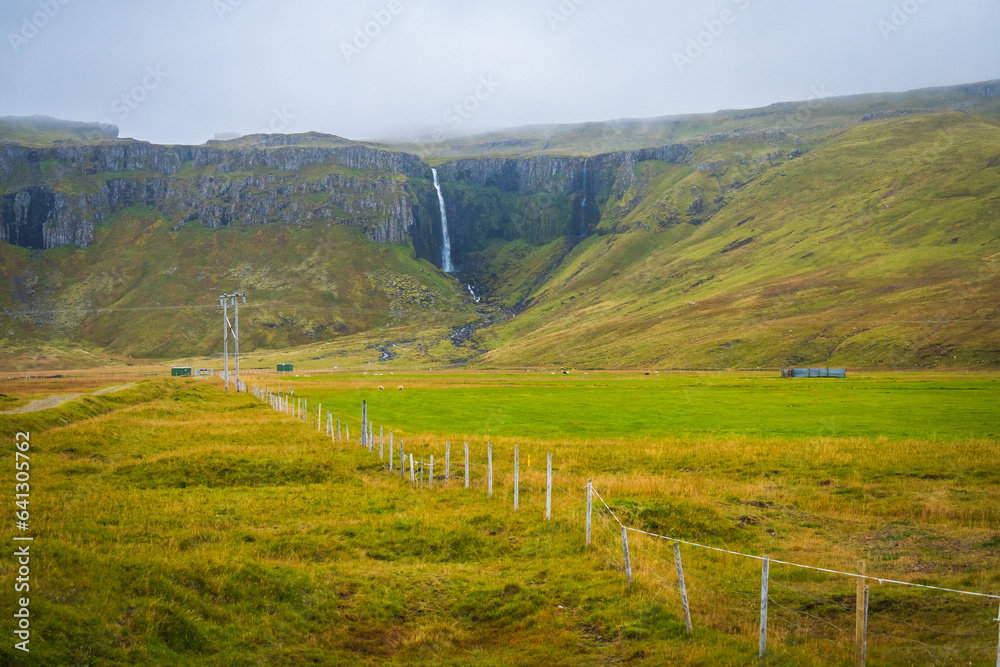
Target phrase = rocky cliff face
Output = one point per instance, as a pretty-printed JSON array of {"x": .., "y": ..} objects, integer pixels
[
  {"x": 56, "y": 196},
  {"x": 132, "y": 156},
  {"x": 538, "y": 198},
  {"x": 554, "y": 175}
]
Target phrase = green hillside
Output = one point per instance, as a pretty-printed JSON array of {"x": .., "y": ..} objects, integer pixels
[
  {"x": 857, "y": 231},
  {"x": 45, "y": 131},
  {"x": 879, "y": 248},
  {"x": 147, "y": 289},
  {"x": 818, "y": 114}
]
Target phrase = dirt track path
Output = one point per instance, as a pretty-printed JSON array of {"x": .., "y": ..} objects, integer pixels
[
  {"x": 41, "y": 404},
  {"x": 53, "y": 401},
  {"x": 111, "y": 390}
]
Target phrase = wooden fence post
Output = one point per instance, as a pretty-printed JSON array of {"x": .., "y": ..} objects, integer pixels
[
  {"x": 763, "y": 605},
  {"x": 430, "y": 480},
  {"x": 413, "y": 480},
  {"x": 548, "y": 489},
  {"x": 447, "y": 461},
  {"x": 305, "y": 411},
  {"x": 347, "y": 429},
  {"x": 489, "y": 467},
  {"x": 467, "y": 471},
  {"x": 517, "y": 467},
  {"x": 371, "y": 437},
  {"x": 590, "y": 505},
  {"x": 402, "y": 460},
  {"x": 628, "y": 563},
  {"x": 390, "y": 449},
  {"x": 859, "y": 617},
  {"x": 682, "y": 587},
  {"x": 338, "y": 428},
  {"x": 381, "y": 443}
]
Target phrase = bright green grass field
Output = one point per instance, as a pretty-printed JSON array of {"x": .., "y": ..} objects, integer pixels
[
  {"x": 620, "y": 405},
  {"x": 177, "y": 524}
]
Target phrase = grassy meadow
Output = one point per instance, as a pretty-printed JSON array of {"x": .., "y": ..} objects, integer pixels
[{"x": 179, "y": 524}]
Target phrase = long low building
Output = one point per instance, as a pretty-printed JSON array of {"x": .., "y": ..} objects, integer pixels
[{"x": 814, "y": 373}]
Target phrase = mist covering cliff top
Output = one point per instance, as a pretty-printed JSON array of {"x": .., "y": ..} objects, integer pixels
[{"x": 185, "y": 71}]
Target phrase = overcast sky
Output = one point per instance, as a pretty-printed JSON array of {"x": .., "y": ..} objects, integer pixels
[{"x": 180, "y": 71}]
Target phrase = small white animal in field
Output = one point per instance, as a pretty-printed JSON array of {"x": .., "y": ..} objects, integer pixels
[
  {"x": 380, "y": 387},
  {"x": 401, "y": 387}
]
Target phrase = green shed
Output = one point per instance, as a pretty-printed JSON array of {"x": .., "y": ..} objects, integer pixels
[
  {"x": 181, "y": 371},
  {"x": 285, "y": 368}
]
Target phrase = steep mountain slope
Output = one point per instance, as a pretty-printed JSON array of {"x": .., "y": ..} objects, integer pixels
[
  {"x": 880, "y": 248},
  {"x": 861, "y": 232},
  {"x": 147, "y": 289}
]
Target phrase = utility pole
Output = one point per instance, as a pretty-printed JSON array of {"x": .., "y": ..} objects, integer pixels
[{"x": 228, "y": 327}]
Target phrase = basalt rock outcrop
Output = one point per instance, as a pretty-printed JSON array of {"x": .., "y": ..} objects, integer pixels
[
  {"x": 57, "y": 195},
  {"x": 538, "y": 198}
]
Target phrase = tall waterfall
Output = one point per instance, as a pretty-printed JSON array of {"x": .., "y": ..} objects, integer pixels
[
  {"x": 446, "y": 264},
  {"x": 583, "y": 202}
]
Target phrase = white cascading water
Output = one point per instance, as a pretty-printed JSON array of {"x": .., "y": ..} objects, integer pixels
[
  {"x": 583, "y": 203},
  {"x": 446, "y": 265}
]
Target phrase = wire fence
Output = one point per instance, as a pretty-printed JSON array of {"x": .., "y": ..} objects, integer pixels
[{"x": 835, "y": 615}]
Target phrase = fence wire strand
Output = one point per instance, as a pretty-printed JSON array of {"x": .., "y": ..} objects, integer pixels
[{"x": 644, "y": 554}]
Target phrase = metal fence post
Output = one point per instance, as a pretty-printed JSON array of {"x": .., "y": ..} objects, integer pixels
[
  {"x": 763, "y": 605},
  {"x": 682, "y": 587},
  {"x": 516, "y": 470},
  {"x": 628, "y": 563},
  {"x": 859, "y": 617},
  {"x": 548, "y": 489},
  {"x": 590, "y": 505}
]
